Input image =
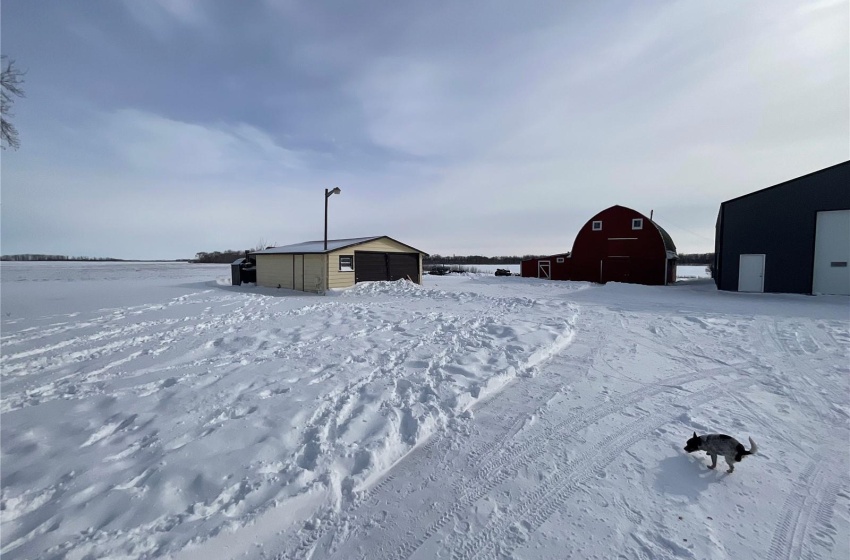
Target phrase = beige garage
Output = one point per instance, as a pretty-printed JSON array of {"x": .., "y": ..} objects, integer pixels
[{"x": 310, "y": 267}]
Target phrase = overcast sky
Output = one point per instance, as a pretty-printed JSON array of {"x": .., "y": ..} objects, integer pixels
[{"x": 158, "y": 129}]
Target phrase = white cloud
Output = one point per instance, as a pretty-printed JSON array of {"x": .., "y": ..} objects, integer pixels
[
  {"x": 418, "y": 106},
  {"x": 150, "y": 144},
  {"x": 818, "y": 5},
  {"x": 151, "y": 187},
  {"x": 166, "y": 17}
]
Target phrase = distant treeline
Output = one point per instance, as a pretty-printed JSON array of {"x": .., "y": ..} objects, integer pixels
[
  {"x": 696, "y": 258},
  {"x": 219, "y": 257},
  {"x": 686, "y": 259},
  {"x": 472, "y": 259},
  {"x": 34, "y": 257},
  {"x": 230, "y": 256}
]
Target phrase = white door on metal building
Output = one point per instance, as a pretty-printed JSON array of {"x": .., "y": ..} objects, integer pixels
[
  {"x": 751, "y": 273},
  {"x": 832, "y": 253}
]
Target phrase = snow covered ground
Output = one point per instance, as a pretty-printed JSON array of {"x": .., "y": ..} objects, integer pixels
[
  {"x": 692, "y": 272},
  {"x": 154, "y": 410}
]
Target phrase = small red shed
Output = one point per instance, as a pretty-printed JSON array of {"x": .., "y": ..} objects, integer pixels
[
  {"x": 616, "y": 245},
  {"x": 553, "y": 267}
]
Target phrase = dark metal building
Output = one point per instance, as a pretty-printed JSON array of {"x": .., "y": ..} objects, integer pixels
[
  {"x": 616, "y": 245},
  {"x": 793, "y": 237}
]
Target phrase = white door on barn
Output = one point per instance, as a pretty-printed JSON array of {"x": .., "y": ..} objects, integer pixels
[
  {"x": 832, "y": 253},
  {"x": 751, "y": 273},
  {"x": 544, "y": 269}
]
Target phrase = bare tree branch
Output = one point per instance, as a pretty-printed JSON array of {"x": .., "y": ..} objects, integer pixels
[{"x": 11, "y": 79}]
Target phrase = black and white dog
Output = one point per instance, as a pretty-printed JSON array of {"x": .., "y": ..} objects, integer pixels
[{"x": 720, "y": 444}]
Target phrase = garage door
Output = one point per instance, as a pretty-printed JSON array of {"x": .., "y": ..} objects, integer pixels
[
  {"x": 832, "y": 253},
  {"x": 372, "y": 267},
  {"x": 404, "y": 265}
]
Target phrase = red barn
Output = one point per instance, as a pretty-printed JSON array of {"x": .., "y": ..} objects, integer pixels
[{"x": 616, "y": 245}]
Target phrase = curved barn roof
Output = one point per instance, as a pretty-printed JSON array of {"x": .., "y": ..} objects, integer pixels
[
  {"x": 668, "y": 241},
  {"x": 669, "y": 246}
]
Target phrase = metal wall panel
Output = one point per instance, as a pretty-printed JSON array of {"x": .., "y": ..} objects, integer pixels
[{"x": 779, "y": 222}]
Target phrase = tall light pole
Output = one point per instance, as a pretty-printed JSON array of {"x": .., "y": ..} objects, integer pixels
[{"x": 328, "y": 194}]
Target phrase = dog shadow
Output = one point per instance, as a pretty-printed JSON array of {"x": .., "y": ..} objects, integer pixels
[{"x": 686, "y": 476}]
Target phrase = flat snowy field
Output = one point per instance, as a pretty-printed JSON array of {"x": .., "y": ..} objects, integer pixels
[{"x": 154, "y": 410}]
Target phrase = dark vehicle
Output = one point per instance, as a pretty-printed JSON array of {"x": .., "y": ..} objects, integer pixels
[
  {"x": 243, "y": 270},
  {"x": 439, "y": 270},
  {"x": 503, "y": 272}
]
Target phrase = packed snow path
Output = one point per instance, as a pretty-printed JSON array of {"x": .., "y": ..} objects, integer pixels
[{"x": 474, "y": 417}]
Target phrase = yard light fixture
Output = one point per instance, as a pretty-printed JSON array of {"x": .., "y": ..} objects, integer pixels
[{"x": 328, "y": 194}]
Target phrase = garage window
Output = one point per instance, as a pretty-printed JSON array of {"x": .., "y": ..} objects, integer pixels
[
  {"x": 597, "y": 226},
  {"x": 346, "y": 263},
  {"x": 637, "y": 223}
]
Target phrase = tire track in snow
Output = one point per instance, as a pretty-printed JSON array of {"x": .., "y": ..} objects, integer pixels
[
  {"x": 548, "y": 497},
  {"x": 536, "y": 359},
  {"x": 661, "y": 341},
  {"x": 827, "y": 532},
  {"x": 790, "y": 533},
  {"x": 826, "y": 497},
  {"x": 577, "y": 421},
  {"x": 483, "y": 449},
  {"x": 452, "y": 337},
  {"x": 32, "y": 334},
  {"x": 802, "y": 345},
  {"x": 798, "y": 358},
  {"x": 329, "y": 416},
  {"x": 435, "y": 450},
  {"x": 580, "y": 420},
  {"x": 115, "y": 340},
  {"x": 512, "y": 460}
]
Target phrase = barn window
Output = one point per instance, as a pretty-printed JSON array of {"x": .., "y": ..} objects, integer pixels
[
  {"x": 637, "y": 223},
  {"x": 346, "y": 263},
  {"x": 597, "y": 226},
  {"x": 559, "y": 260}
]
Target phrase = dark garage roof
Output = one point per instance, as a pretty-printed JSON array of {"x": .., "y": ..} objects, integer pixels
[
  {"x": 318, "y": 247},
  {"x": 789, "y": 181}
]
